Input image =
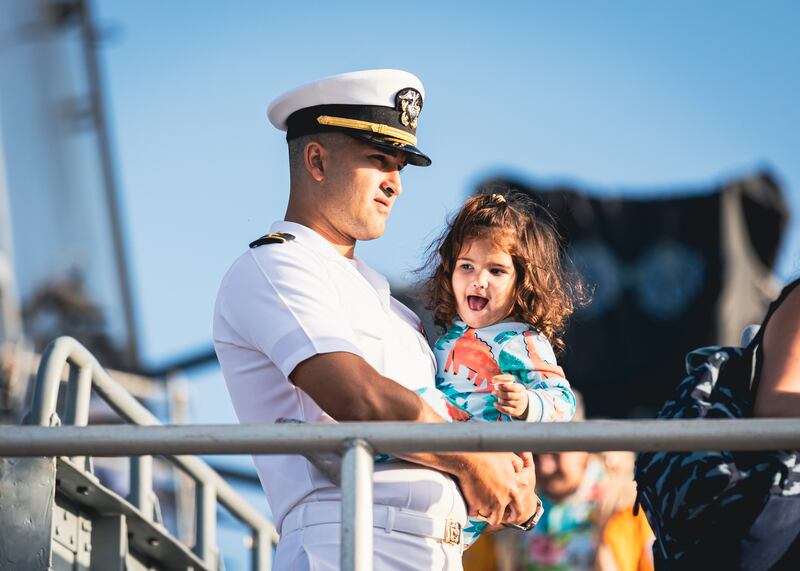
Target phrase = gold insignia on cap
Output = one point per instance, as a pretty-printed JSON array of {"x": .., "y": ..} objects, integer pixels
[{"x": 409, "y": 103}]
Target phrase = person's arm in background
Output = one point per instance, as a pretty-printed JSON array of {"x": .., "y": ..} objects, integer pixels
[{"x": 778, "y": 392}]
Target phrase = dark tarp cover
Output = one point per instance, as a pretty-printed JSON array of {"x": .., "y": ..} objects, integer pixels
[{"x": 669, "y": 274}]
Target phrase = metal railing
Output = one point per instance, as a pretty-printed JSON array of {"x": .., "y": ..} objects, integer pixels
[
  {"x": 84, "y": 374},
  {"x": 359, "y": 441}
]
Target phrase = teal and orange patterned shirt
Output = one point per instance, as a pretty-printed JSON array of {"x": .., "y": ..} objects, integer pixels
[{"x": 470, "y": 361}]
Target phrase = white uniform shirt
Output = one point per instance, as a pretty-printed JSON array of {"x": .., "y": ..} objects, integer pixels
[{"x": 280, "y": 304}]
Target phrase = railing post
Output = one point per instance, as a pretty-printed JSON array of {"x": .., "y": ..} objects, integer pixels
[
  {"x": 261, "y": 556},
  {"x": 79, "y": 393},
  {"x": 205, "y": 545},
  {"x": 357, "y": 467},
  {"x": 48, "y": 381},
  {"x": 141, "y": 494}
]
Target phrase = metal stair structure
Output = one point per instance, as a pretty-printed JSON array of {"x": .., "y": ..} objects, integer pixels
[{"x": 57, "y": 514}]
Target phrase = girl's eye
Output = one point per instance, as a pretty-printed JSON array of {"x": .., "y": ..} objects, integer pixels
[
  {"x": 497, "y": 271},
  {"x": 466, "y": 266}
]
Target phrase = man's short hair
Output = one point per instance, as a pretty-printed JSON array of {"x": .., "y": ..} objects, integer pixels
[{"x": 298, "y": 145}]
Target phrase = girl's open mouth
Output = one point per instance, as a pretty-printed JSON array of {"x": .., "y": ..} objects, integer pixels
[{"x": 476, "y": 302}]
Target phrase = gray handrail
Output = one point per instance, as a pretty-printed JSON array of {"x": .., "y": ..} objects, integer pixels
[
  {"x": 356, "y": 440},
  {"x": 85, "y": 374},
  {"x": 404, "y": 437}
]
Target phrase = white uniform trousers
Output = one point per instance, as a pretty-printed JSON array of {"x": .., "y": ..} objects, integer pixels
[{"x": 311, "y": 540}]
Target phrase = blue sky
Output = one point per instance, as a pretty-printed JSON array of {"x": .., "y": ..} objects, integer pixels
[{"x": 620, "y": 97}]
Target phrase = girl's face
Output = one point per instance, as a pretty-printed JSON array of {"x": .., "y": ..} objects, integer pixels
[{"x": 484, "y": 282}]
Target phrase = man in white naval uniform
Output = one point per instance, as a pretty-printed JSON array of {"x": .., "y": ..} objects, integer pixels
[{"x": 304, "y": 329}]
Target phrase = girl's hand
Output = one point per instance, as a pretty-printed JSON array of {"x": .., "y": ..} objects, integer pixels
[{"x": 512, "y": 398}]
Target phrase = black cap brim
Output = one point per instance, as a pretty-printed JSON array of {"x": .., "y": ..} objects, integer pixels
[{"x": 415, "y": 156}]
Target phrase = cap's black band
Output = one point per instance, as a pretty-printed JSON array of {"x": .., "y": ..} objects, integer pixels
[{"x": 304, "y": 121}]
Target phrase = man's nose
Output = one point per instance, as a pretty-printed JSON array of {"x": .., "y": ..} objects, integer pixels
[{"x": 392, "y": 184}]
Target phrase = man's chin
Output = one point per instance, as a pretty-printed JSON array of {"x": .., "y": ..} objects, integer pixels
[{"x": 371, "y": 233}]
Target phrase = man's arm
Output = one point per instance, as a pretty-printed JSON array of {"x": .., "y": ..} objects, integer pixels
[{"x": 349, "y": 389}]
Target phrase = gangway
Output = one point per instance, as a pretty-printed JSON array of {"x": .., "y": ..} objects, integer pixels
[{"x": 56, "y": 514}]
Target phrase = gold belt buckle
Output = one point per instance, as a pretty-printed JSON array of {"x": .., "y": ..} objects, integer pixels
[{"x": 452, "y": 532}]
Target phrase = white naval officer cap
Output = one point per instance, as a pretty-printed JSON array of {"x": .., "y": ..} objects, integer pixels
[{"x": 379, "y": 106}]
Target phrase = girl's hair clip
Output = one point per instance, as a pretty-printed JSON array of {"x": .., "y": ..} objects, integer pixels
[{"x": 498, "y": 198}]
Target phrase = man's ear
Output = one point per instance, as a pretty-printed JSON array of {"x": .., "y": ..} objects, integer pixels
[{"x": 315, "y": 157}]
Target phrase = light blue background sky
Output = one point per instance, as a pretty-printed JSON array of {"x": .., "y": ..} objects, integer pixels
[{"x": 620, "y": 97}]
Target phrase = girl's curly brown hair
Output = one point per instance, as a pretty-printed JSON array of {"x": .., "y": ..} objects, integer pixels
[{"x": 546, "y": 294}]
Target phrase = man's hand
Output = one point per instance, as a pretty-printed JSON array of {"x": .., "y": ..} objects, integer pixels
[
  {"x": 526, "y": 483},
  {"x": 512, "y": 397},
  {"x": 488, "y": 482}
]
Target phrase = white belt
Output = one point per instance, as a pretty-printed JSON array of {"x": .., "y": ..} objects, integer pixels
[{"x": 444, "y": 529}]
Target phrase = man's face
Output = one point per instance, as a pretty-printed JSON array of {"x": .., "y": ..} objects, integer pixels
[
  {"x": 559, "y": 475},
  {"x": 361, "y": 185}
]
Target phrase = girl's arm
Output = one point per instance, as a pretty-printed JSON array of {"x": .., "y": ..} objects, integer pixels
[
  {"x": 549, "y": 396},
  {"x": 551, "y": 400}
]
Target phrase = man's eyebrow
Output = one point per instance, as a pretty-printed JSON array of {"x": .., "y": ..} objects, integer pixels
[
  {"x": 399, "y": 156},
  {"x": 376, "y": 149}
]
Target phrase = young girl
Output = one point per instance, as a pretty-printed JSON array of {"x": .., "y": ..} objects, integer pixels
[{"x": 499, "y": 291}]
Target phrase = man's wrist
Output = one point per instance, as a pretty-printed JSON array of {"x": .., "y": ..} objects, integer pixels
[{"x": 531, "y": 522}]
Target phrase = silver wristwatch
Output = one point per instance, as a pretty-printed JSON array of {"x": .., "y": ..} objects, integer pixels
[{"x": 531, "y": 522}]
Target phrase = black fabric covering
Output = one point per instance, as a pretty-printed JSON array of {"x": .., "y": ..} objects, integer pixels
[{"x": 669, "y": 275}]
